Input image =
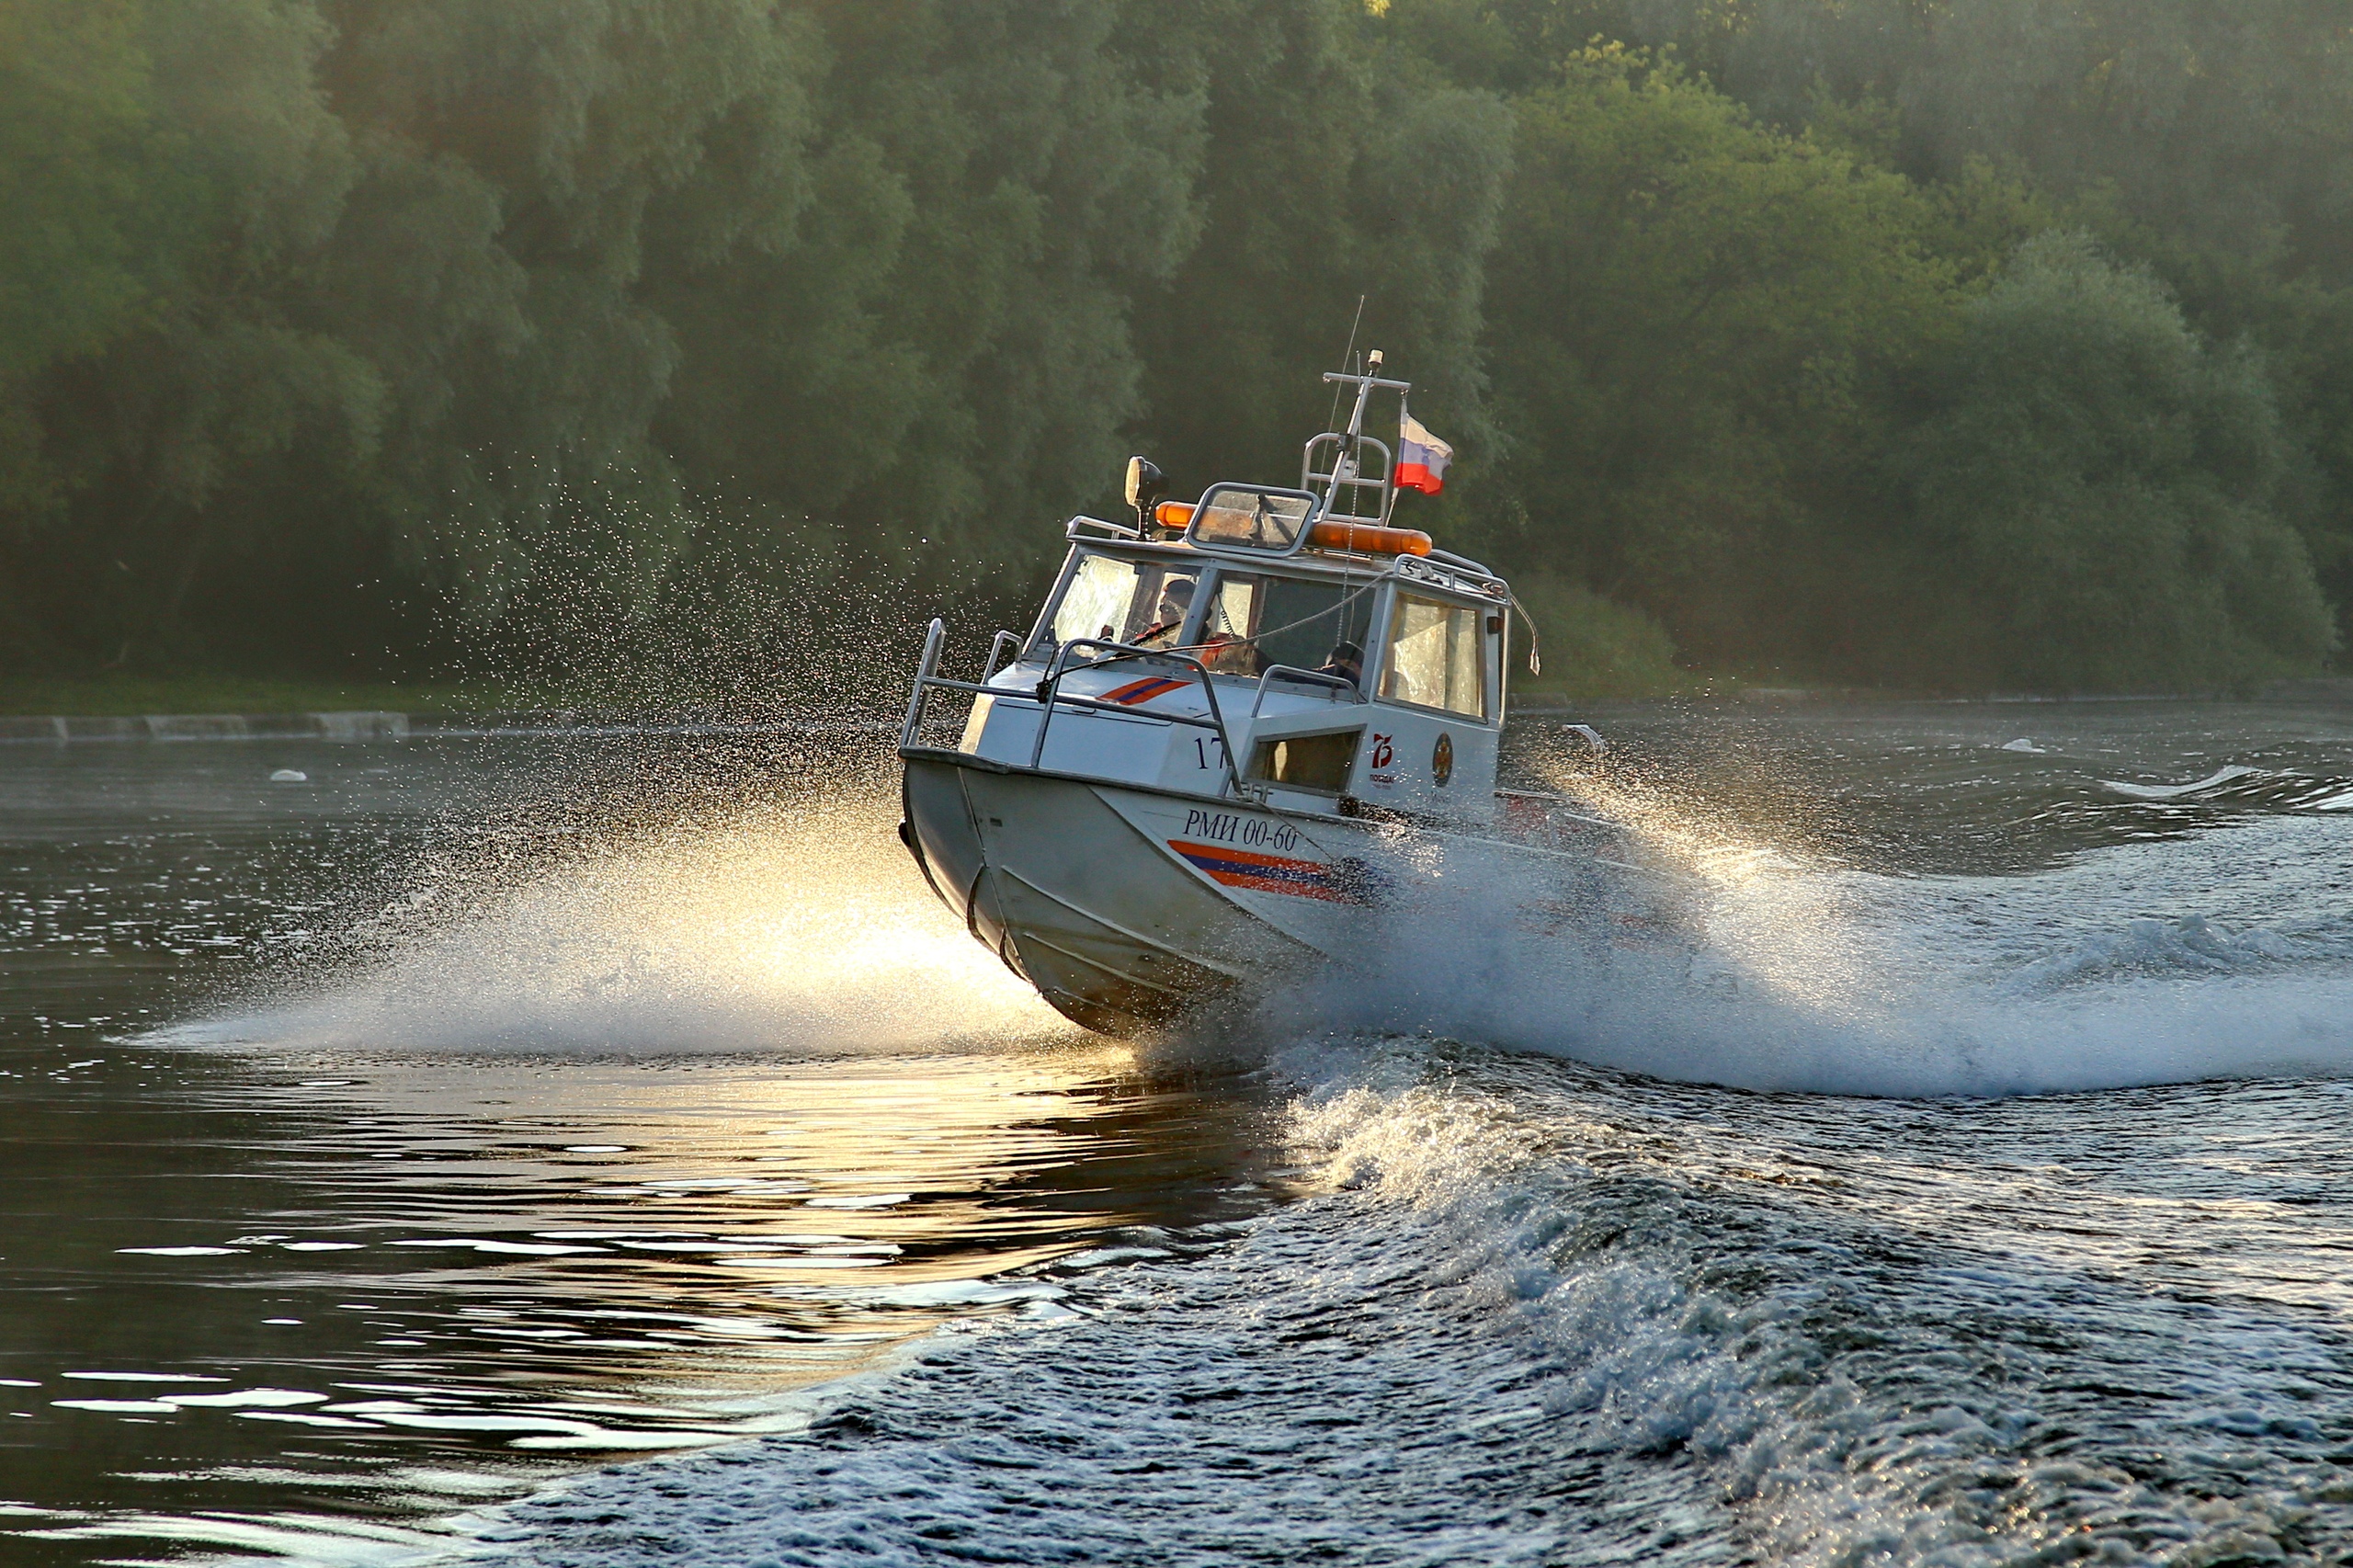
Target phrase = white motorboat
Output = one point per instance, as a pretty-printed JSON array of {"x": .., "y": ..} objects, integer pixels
[{"x": 1233, "y": 739}]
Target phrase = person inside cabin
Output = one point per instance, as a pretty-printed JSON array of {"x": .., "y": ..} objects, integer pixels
[
  {"x": 1175, "y": 603},
  {"x": 1227, "y": 655},
  {"x": 1347, "y": 662}
]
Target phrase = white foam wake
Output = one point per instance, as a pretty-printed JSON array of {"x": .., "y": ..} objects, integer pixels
[
  {"x": 1544, "y": 1316},
  {"x": 1789, "y": 977},
  {"x": 800, "y": 930}
]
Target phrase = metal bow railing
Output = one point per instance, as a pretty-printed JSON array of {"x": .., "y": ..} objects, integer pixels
[
  {"x": 1305, "y": 677},
  {"x": 1049, "y": 695}
]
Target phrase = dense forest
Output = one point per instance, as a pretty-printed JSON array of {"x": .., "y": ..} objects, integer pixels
[{"x": 1952, "y": 344}]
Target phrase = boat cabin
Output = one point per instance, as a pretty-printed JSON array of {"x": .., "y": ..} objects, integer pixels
[{"x": 1352, "y": 666}]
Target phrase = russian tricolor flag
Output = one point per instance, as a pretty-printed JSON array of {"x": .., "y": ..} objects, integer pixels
[{"x": 1421, "y": 458}]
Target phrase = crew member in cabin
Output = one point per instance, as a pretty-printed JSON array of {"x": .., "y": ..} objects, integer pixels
[
  {"x": 1347, "y": 662},
  {"x": 1175, "y": 603}
]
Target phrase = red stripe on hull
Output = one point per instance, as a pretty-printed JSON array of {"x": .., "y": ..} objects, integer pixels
[
  {"x": 1263, "y": 873},
  {"x": 1144, "y": 690}
]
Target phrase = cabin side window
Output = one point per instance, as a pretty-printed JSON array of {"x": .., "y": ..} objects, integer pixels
[
  {"x": 1321, "y": 763},
  {"x": 1255, "y": 621},
  {"x": 1115, "y": 600},
  {"x": 1435, "y": 657}
]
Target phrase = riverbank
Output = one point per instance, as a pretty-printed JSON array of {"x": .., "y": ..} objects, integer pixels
[
  {"x": 134, "y": 695},
  {"x": 2329, "y": 690},
  {"x": 201, "y": 707}
]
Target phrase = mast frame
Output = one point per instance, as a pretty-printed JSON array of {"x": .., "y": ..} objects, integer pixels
[{"x": 1348, "y": 451}]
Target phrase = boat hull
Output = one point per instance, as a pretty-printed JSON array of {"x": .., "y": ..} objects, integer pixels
[{"x": 1127, "y": 907}]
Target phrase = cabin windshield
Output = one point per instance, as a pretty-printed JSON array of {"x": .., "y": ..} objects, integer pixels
[
  {"x": 1119, "y": 600},
  {"x": 1256, "y": 620}
]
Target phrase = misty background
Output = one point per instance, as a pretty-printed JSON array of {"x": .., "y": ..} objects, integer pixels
[{"x": 1942, "y": 344}]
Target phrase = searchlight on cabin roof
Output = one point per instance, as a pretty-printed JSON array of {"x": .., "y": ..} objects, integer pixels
[{"x": 1146, "y": 485}]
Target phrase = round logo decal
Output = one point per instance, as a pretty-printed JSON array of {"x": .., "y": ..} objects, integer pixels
[{"x": 1442, "y": 759}]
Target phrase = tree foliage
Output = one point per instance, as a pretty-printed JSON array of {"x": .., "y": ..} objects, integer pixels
[
  {"x": 1691, "y": 316},
  {"x": 1947, "y": 342},
  {"x": 2098, "y": 488}
]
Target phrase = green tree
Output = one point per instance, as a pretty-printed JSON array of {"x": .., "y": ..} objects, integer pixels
[
  {"x": 1336, "y": 172},
  {"x": 527, "y": 162},
  {"x": 564, "y": 316},
  {"x": 74, "y": 151},
  {"x": 402, "y": 331},
  {"x": 1691, "y": 319},
  {"x": 938, "y": 354},
  {"x": 2095, "y": 495},
  {"x": 77, "y": 182},
  {"x": 244, "y": 169}
]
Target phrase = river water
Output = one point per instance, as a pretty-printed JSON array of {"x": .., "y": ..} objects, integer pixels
[{"x": 601, "y": 1150}]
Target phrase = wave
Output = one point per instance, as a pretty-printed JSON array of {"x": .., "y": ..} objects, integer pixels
[
  {"x": 1773, "y": 974},
  {"x": 2176, "y": 791},
  {"x": 1542, "y": 1314},
  {"x": 2245, "y": 787}
]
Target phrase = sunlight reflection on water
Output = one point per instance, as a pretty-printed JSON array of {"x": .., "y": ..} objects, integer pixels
[{"x": 606, "y": 1155}]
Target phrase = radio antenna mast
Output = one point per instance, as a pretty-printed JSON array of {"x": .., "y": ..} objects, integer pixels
[{"x": 1346, "y": 359}]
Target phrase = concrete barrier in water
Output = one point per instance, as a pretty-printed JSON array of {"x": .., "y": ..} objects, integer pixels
[
  {"x": 104, "y": 729},
  {"x": 359, "y": 725},
  {"x": 198, "y": 727},
  {"x": 367, "y": 724}
]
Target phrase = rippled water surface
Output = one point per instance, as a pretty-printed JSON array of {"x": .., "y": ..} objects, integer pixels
[{"x": 387, "y": 1152}]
